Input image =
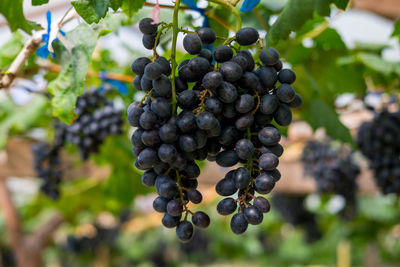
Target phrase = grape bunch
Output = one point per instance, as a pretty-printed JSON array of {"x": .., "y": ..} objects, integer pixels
[
  {"x": 379, "y": 141},
  {"x": 334, "y": 171},
  {"x": 292, "y": 210},
  {"x": 97, "y": 119},
  {"x": 225, "y": 107},
  {"x": 47, "y": 164}
]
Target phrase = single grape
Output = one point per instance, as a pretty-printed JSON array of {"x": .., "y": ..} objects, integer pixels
[
  {"x": 241, "y": 178},
  {"x": 160, "y": 204},
  {"x": 206, "y": 121},
  {"x": 226, "y": 206},
  {"x": 285, "y": 93},
  {"x": 227, "y": 158},
  {"x": 253, "y": 215},
  {"x": 167, "y": 153},
  {"x": 262, "y": 204},
  {"x": 153, "y": 71},
  {"x": 269, "y": 136},
  {"x": 245, "y": 103},
  {"x": 174, "y": 207},
  {"x": 286, "y": 76},
  {"x": 247, "y": 36},
  {"x": 207, "y": 35},
  {"x": 170, "y": 221},
  {"x": 269, "y": 56},
  {"x": 244, "y": 148},
  {"x": 149, "y": 41},
  {"x": 184, "y": 231},
  {"x": 201, "y": 219},
  {"x": 223, "y": 53},
  {"x": 239, "y": 223},
  {"x": 194, "y": 196},
  {"x": 227, "y": 92},
  {"x": 264, "y": 183},
  {"x": 192, "y": 43},
  {"x": 139, "y": 64},
  {"x": 268, "y": 161},
  {"x": 268, "y": 104},
  {"x": 231, "y": 71},
  {"x": 212, "y": 80},
  {"x": 147, "y": 26},
  {"x": 283, "y": 115},
  {"x": 296, "y": 102},
  {"x": 151, "y": 138},
  {"x": 225, "y": 187}
]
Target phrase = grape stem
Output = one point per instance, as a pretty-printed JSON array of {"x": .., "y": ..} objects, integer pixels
[
  {"x": 175, "y": 30},
  {"x": 159, "y": 32}
]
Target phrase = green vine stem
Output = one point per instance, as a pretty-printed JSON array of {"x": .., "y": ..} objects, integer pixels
[
  {"x": 232, "y": 7},
  {"x": 175, "y": 29}
]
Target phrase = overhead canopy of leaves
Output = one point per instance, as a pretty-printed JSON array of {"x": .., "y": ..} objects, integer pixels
[
  {"x": 13, "y": 12},
  {"x": 296, "y": 13}
]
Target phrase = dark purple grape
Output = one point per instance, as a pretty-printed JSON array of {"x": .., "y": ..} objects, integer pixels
[
  {"x": 201, "y": 219},
  {"x": 241, "y": 178},
  {"x": 160, "y": 204},
  {"x": 297, "y": 102},
  {"x": 227, "y": 92},
  {"x": 223, "y": 53},
  {"x": 286, "y": 76},
  {"x": 247, "y": 36},
  {"x": 212, "y": 80},
  {"x": 253, "y": 215},
  {"x": 167, "y": 153},
  {"x": 162, "y": 86},
  {"x": 239, "y": 223},
  {"x": 151, "y": 138},
  {"x": 269, "y": 56},
  {"x": 226, "y": 206},
  {"x": 207, "y": 35},
  {"x": 184, "y": 231},
  {"x": 244, "y": 148},
  {"x": 213, "y": 105},
  {"x": 269, "y": 136},
  {"x": 225, "y": 187},
  {"x": 268, "y": 161},
  {"x": 153, "y": 71},
  {"x": 164, "y": 63},
  {"x": 206, "y": 121},
  {"x": 264, "y": 183},
  {"x": 244, "y": 122},
  {"x": 168, "y": 133},
  {"x": 268, "y": 105},
  {"x": 149, "y": 41},
  {"x": 147, "y": 26},
  {"x": 283, "y": 115},
  {"x": 262, "y": 204},
  {"x": 192, "y": 43},
  {"x": 285, "y": 93},
  {"x": 170, "y": 221},
  {"x": 139, "y": 64},
  {"x": 244, "y": 103},
  {"x": 174, "y": 207},
  {"x": 194, "y": 196},
  {"x": 227, "y": 158},
  {"x": 149, "y": 178},
  {"x": 231, "y": 71}
]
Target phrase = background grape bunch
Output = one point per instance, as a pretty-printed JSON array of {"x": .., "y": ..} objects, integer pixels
[
  {"x": 379, "y": 141},
  {"x": 220, "y": 107},
  {"x": 97, "y": 119},
  {"x": 334, "y": 170}
]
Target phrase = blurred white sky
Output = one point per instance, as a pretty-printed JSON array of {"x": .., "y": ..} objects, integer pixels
[{"x": 353, "y": 26}]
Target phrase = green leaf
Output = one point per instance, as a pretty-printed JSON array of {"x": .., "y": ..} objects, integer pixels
[
  {"x": 131, "y": 7},
  {"x": 39, "y": 2},
  {"x": 70, "y": 82},
  {"x": 115, "y": 4},
  {"x": 11, "y": 49},
  {"x": 13, "y": 12},
  {"x": 91, "y": 10},
  {"x": 322, "y": 115},
  {"x": 378, "y": 64},
  {"x": 294, "y": 15},
  {"x": 342, "y": 4},
  {"x": 396, "y": 30}
]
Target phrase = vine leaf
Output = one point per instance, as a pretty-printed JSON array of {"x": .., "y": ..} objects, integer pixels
[
  {"x": 91, "y": 10},
  {"x": 322, "y": 115},
  {"x": 131, "y": 7},
  {"x": 296, "y": 13},
  {"x": 70, "y": 81},
  {"x": 13, "y": 12},
  {"x": 39, "y": 2}
]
